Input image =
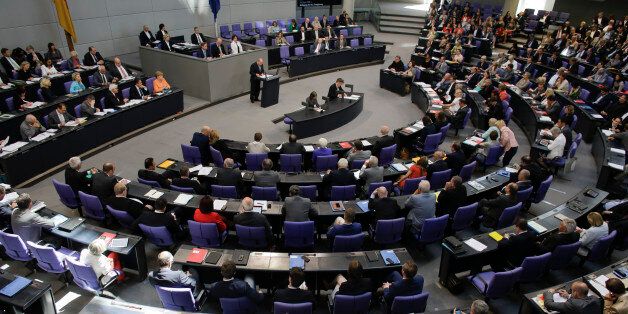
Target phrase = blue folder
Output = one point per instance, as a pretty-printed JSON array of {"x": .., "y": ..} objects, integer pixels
[
  {"x": 364, "y": 206},
  {"x": 390, "y": 258},
  {"x": 18, "y": 284},
  {"x": 297, "y": 261}
]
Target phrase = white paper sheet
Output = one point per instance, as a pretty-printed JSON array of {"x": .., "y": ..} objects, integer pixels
[
  {"x": 219, "y": 204},
  {"x": 183, "y": 199},
  {"x": 475, "y": 244},
  {"x": 205, "y": 171}
]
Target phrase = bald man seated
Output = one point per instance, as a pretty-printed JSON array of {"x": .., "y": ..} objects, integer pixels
[
  {"x": 578, "y": 302},
  {"x": 30, "y": 127}
]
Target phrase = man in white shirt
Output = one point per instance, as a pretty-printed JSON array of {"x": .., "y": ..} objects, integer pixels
[
  {"x": 257, "y": 147},
  {"x": 511, "y": 60},
  {"x": 316, "y": 33},
  {"x": 556, "y": 146},
  {"x": 236, "y": 46},
  {"x": 197, "y": 37}
]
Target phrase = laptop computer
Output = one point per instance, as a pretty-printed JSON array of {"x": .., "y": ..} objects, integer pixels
[{"x": 71, "y": 224}]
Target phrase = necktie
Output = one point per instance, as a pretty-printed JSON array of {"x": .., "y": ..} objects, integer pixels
[
  {"x": 198, "y": 38},
  {"x": 239, "y": 48},
  {"x": 140, "y": 92},
  {"x": 94, "y": 57},
  {"x": 104, "y": 78},
  {"x": 122, "y": 72}
]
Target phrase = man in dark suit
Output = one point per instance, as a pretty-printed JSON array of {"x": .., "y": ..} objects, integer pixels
[
  {"x": 93, "y": 57},
  {"x": 122, "y": 203},
  {"x": 474, "y": 77},
  {"x": 33, "y": 57},
  {"x": 518, "y": 245},
  {"x": 166, "y": 277},
  {"x": 8, "y": 63},
  {"x": 335, "y": 90},
  {"x": 382, "y": 206},
  {"x": 307, "y": 25},
  {"x": 528, "y": 66},
  {"x": 159, "y": 218},
  {"x": 339, "y": 177},
  {"x": 302, "y": 36},
  {"x": 384, "y": 140},
  {"x": 165, "y": 43},
  {"x": 148, "y": 173},
  {"x": 204, "y": 52},
  {"x": 457, "y": 119},
  {"x": 267, "y": 177},
  {"x": 184, "y": 181},
  {"x": 102, "y": 77},
  {"x": 113, "y": 99},
  {"x": 523, "y": 180},
  {"x": 451, "y": 197},
  {"x": 201, "y": 140},
  {"x": 59, "y": 117},
  {"x": 565, "y": 129},
  {"x": 294, "y": 294},
  {"x": 603, "y": 100},
  {"x": 139, "y": 91},
  {"x": 146, "y": 37},
  {"x": 532, "y": 42},
  {"x": 579, "y": 301},
  {"x": 492, "y": 209},
  {"x": 404, "y": 284},
  {"x": 297, "y": 208},
  {"x": 428, "y": 129},
  {"x": 292, "y": 147},
  {"x": 218, "y": 49},
  {"x": 232, "y": 287},
  {"x": 483, "y": 64},
  {"x": 118, "y": 70},
  {"x": 248, "y": 218},
  {"x": 197, "y": 38},
  {"x": 161, "y": 32},
  {"x": 537, "y": 172},
  {"x": 456, "y": 159},
  {"x": 256, "y": 71},
  {"x": 103, "y": 182},
  {"x": 566, "y": 235},
  {"x": 76, "y": 179},
  {"x": 228, "y": 176},
  {"x": 439, "y": 164}
]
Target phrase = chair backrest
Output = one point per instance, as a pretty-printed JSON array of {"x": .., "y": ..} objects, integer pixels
[
  {"x": 237, "y": 305},
  {"x": 66, "y": 194},
  {"x": 324, "y": 163},
  {"x": 122, "y": 217},
  {"x": 40, "y": 95},
  {"x": 387, "y": 155},
  {"x": 494, "y": 152},
  {"x": 292, "y": 308},
  {"x": 290, "y": 39},
  {"x": 284, "y": 52},
  {"x": 101, "y": 103},
  {"x": 248, "y": 27},
  {"x": 236, "y": 27},
  {"x": 309, "y": 191},
  {"x": 463, "y": 218},
  {"x": 83, "y": 275},
  {"x": 358, "y": 304},
  {"x": 254, "y": 161},
  {"x": 67, "y": 86},
  {"x": 290, "y": 162},
  {"x": 126, "y": 93},
  {"x": 410, "y": 185},
  {"x": 562, "y": 255},
  {"x": 92, "y": 207},
  {"x": 433, "y": 229},
  {"x": 223, "y": 191},
  {"x": 356, "y": 164},
  {"x": 508, "y": 114},
  {"x": 15, "y": 247},
  {"x": 259, "y": 24},
  {"x": 524, "y": 195},
  {"x": 191, "y": 154},
  {"x": 542, "y": 191},
  {"x": 368, "y": 41},
  {"x": 533, "y": 267},
  {"x": 387, "y": 184},
  {"x": 348, "y": 243},
  {"x": 467, "y": 171},
  {"x": 298, "y": 234},
  {"x": 388, "y": 231},
  {"x": 182, "y": 189},
  {"x": 439, "y": 179},
  {"x": 508, "y": 216},
  {"x": 431, "y": 143},
  {"x": 298, "y": 51},
  {"x": 9, "y": 103},
  {"x": 152, "y": 183},
  {"x": 357, "y": 31},
  {"x": 502, "y": 283},
  {"x": 354, "y": 42},
  {"x": 216, "y": 157},
  {"x": 159, "y": 236},
  {"x": 178, "y": 299},
  {"x": 224, "y": 31},
  {"x": 77, "y": 111},
  {"x": 600, "y": 249},
  {"x": 265, "y": 193},
  {"x": 47, "y": 258},
  {"x": 251, "y": 237},
  {"x": 443, "y": 132},
  {"x": 150, "y": 84},
  {"x": 578, "y": 138},
  {"x": 260, "y": 42},
  {"x": 342, "y": 192},
  {"x": 204, "y": 234},
  {"x": 344, "y": 32},
  {"x": 410, "y": 304}
]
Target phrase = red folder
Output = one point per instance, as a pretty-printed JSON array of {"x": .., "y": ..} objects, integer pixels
[
  {"x": 345, "y": 145},
  {"x": 197, "y": 255},
  {"x": 107, "y": 236}
]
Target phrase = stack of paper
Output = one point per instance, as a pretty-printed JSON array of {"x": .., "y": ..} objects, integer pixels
[
  {"x": 41, "y": 136},
  {"x": 100, "y": 113},
  {"x": 220, "y": 204},
  {"x": 615, "y": 166},
  {"x": 72, "y": 123},
  {"x": 366, "y": 143},
  {"x": 607, "y": 132},
  {"x": 545, "y": 119},
  {"x": 353, "y": 97},
  {"x": 476, "y": 185},
  {"x": 38, "y": 206},
  {"x": 119, "y": 242},
  {"x": 475, "y": 244},
  {"x": 356, "y": 174},
  {"x": 196, "y": 168},
  {"x": 536, "y": 227},
  {"x": 205, "y": 171},
  {"x": 154, "y": 194},
  {"x": 597, "y": 116},
  {"x": 37, "y": 104},
  {"x": 183, "y": 199},
  {"x": 58, "y": 219},
  {"x": 5, "y": 186},
  {"x": 399, "y": 167}
]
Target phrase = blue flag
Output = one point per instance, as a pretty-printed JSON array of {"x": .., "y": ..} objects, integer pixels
[{"x": 215, "y": 6}]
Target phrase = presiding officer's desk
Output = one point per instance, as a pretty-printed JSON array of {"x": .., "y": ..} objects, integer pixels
[
  {"x": 314, "y": 62},
  {"x": 35, "y": 158},
  {"x": 394, "y": 81},
  {"x": 532, "y": 301},
  {"x": 35, "y": 298},
  {"x": 132, "y": 257},
  {"x": 608, "y": 157},
  {"x": 308, "y": 122},
  {"x": 466, "y": 259},
  {"x": 588, "y": 119}
]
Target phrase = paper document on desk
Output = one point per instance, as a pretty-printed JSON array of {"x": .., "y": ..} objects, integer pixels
[
  {"x": 58, "y": 219},
  {"x": 220, "y": 204},
  {"x": 597, "y": 116},
  {"x": 618, "y": 151},
  {"x": 205, "y": 171},
  {"x": 38, "y": 206},
  {"x": 399, "y": 167},
  {"x": 100, "y": 113},
  {"x": 41, "y": 136},
  {"x": 183, "y": 199},
  {"x": 37, "y": 104},
  {"x": 607, "y": 132},
  {"x": 119, "y": 242},
  {"x": 196, "y": 168},
  {"x": 353, "y": 97},
  {"x": 615, "y": 166},
  {"x": 7, "y": 116},
  {"x": 5, "y": 186},
  {"x": 309, "y": 148},
  {"x": 72, "y": 123},
  {"x": 536, "y": 227},
  {"x": 476, "y": 185},
  {"x": 356, "y": 174},
  {"x": 557, "y": 298},
  {"x": 545, "y": 119},
  {"x": 154, "y": 194},
  {"x": 366, "y": 143},
  {"x": 14, "y": 147},
  {"x": 601, "y": 288},
  {"x": 266, "y": 76},
  {"x": 475, "y": 244}
]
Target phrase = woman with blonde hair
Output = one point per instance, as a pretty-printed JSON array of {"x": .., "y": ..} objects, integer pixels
[
  {"x": 508, "y": 141},
  {"x": 46, "y": 92},
  {"x": 25, "y": 73},
  {"x": 219, "y": 144},
  {"x": 77, "y": 85},
  {"x": 106, "y": 267},
  {"x": 160, "y": 84},
  {"x": 598, "y": 229}
]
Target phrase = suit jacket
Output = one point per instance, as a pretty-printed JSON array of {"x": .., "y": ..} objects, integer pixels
[
  {"x": 380, "y": 143},
  {"x": 403, "y": 288},
  {"x": 339, "y": 177},
  {"x": 147, "y": 39},
  {"x": 86, "y": 110},
  {"x": 194, "y": 38},
  {"x": 266, "y": 178},
  {"x": 204, "y": 53},
  {"x": 294, "y": 296},
  {"x": 358, "y": 155},
  {"x": 254, "y": 70},
  {"x": 27, "y": 131},
  {"x": 455, "y": 161},
  {"x": 98, "y": 78},
  {"x": 449, "y": 200},
  {"x": 292, "y": 148},
  {"x": 474, "y": 79},
  {"x": 77, "y": 180},
  {"x": 556, "y": 239},
  {"x": 439, "y": 165},
  {"x": 116, "y": 73},
  {"x": 53, "y": 119},
  {"x": 517, "y": 247},
  {"x": 153, "y": 176},
  {"x": 215, "y": 53},
  {"x": 252, "y": 219},
  {"x": 384, "y": 208},
  {"x": 31, "y": 60},
  {"x": 620, "y": 305},
  {"x": 153, "y": 219},
  {"x": 297, "y": 208},
  {"x": 425, "y": 131},
  {"x": 333, "y": 92},
  {"x": 137, "y": 93},
  {"x": 27, "y": 224},
  {"x": 166, "y": 46},
  {"x": 7, "y": 65},
  {"x": 112, "y": 100},
  {"x": 234, "y": 288},
  {"x": 228, "y": 177},
  {"x": 189, "y": 183},
  {"x": 169, "y": 278},
  {"x": 160, "y": 35},
  {"x": 588, "y": 304},
  {"x": 88, "y": 59},
  {"x": 493, "y": 208},
  {"x": 202, "y": 142},
  {"x": 102, "y": 185},
  {"x": 355, "y": 287},
  {"x": 372, "y": 175},
  {"x": 132, "y": 207}
]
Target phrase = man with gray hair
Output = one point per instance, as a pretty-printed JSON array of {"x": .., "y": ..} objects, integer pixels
[
  {"x": 371, "y": 172},
  {"x": 479, "y": 307},
  {"x": 566, "y": 235},
  {"x": 228, "y": 176},
  {"x": 113, "y": 99},
  {"x": 26, "y": 223},
  {"x": 383, "y": 206},
  {"x": 78, "y": 180},
  {"x": 421, "y": 206},
  {"x": 166, "y": 277},
  {"x": 384, "y": 140},
  {"x": 339, "y": 177},
  {"x": 248, "y": 218},
  {"x": 30, "y": 127},
  {"x": 557, "y": 145},
  {"x": 6, "y": 209},
  {"x": 103, "y": 78},
  {"x": 297, "y": 208}
]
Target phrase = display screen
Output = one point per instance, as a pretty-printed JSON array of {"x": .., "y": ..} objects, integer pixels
[{"x": 317, "y": 3}]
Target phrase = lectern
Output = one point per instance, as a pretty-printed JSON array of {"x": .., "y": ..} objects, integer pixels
[{"x": 270, "y": 90}]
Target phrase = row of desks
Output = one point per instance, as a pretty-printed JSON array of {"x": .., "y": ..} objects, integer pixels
[
  {"x": 274, "y": 54},
  {"x": 484, "y": 48},
  {"x": 608, "y": 159},
  {"x": 309, "y": 63},
  {"x": 27, "y": 162}
]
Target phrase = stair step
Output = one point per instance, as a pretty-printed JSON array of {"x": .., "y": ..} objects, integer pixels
[
  {"x": 418, "y": 26},
  {"x": 402, "y": 18},
  {"x": 397, "y": 30},
  {"x": 421, "y": 15}
]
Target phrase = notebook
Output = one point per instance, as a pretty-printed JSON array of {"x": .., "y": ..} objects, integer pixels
[
  {"x": 71, "y": 224},
  {"x": 297, "y": 261},
  {"x": 197, "y": 255},
  {"x": 496, "y": 236},
  {"x": 390, "y": 258},
  {"x": 14, "y": 287},
  {"x": 166, "y": 164},
  {"x": 213, "y": 257},
  {"x": 372, "y": 256},
  {"x": 345, "y": 145},
  {"x": 241, "y": 257},
  {"x": 107, "y": 236},
  {"x": 119, "y": 242},
  {"x": 364, "y": 206}
]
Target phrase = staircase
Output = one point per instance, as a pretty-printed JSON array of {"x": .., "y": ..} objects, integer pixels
[{"x": 401, "y": 17}]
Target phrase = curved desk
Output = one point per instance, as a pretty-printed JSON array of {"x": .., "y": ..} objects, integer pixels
[
  {"x": 608, "y": 159},
  {"x": 308, "y": 122}
]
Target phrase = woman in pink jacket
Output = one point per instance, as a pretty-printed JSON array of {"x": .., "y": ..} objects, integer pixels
[{"x": 508, "y": 141}]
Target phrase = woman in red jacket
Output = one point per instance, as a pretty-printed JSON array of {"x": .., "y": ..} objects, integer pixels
[{"x": 205, "y": 214}]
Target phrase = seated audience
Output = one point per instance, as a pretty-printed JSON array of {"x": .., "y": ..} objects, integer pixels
[
  {"x": 371, "y": 172},
  {"x": 159, "y": 218},
  {"x": 257, "y": 147},
  {"x": 104, "y": 181},
  {"x": 296, "y": 292},
  {"x": 383, "y": 140},
  {"x": 516, "y": 246},
  {"x": 149, "y": 173},
  {"x": 353, "y": 284},
  {"x": 74, "y": 62},
  {"x": 382, "y": 206},
  {"x": 166, "y": 277},
  {"x": 267, "y": 177},
  {"x": 566, "y": 235},
  {"x": 184, "y": 181},
  {"x": 417, "y": 170},
  {"x": 219, "y": 144},
  {"x": 87, "y": 109},
  {"x": 598, "y": 229},
  {"x": 451, "y": 197},
  {"x": 292, "y": 147},
  {"x": 296, "y": 207},
  {"x": 616, "y": 300},
  {"x": 113, "y": 98},
  {"x": 397, "y": 65},
  {"x": 201, "y": 140},
  {"x": 106, "y": 267},
  {"x": 46, "y": 92},
  {"x": 48, "y": 68},
  {"x": 321, "y": 150},
  {"x": 26, "y": 223},
  {"x": 53, "y": 53},
  {"x": 579, "y": 301},
  {"x": 404, "y": 284},
  {"x": 344, "y": 225},
  {"x": 77, "y": 84},
  {"x": 102, "y": 77},
  {"x": 76, "y": 179},
  {"x": 20, "y": 102},
  {"x": 231, "y": 287},
  {"x": 357, "y": 152},
  {"x": 420, "y": 206},
  {"x": 139, "y": 91},
  {"x": 122, "y": 203},
  {"x": 93, "y": 57},
  {"x": 217, "y": 49},
  {"x": 119, "y": 71},
  {"x": 228, "y": 175},
  {"x": 30, "y": 127},
  {"x": 59, "y": 117},
  {"x": 438, "y": 165},
  {"x": 160, "y": 84},
  {"x": 340, "y": 177},
  {"x": 429, "y": 128},
  {"x": 205, "y": 214},
  {"x": 248, "y": 218},
  {"x": 456, "y": 159},
  {"x": 492, "y": 209}
]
